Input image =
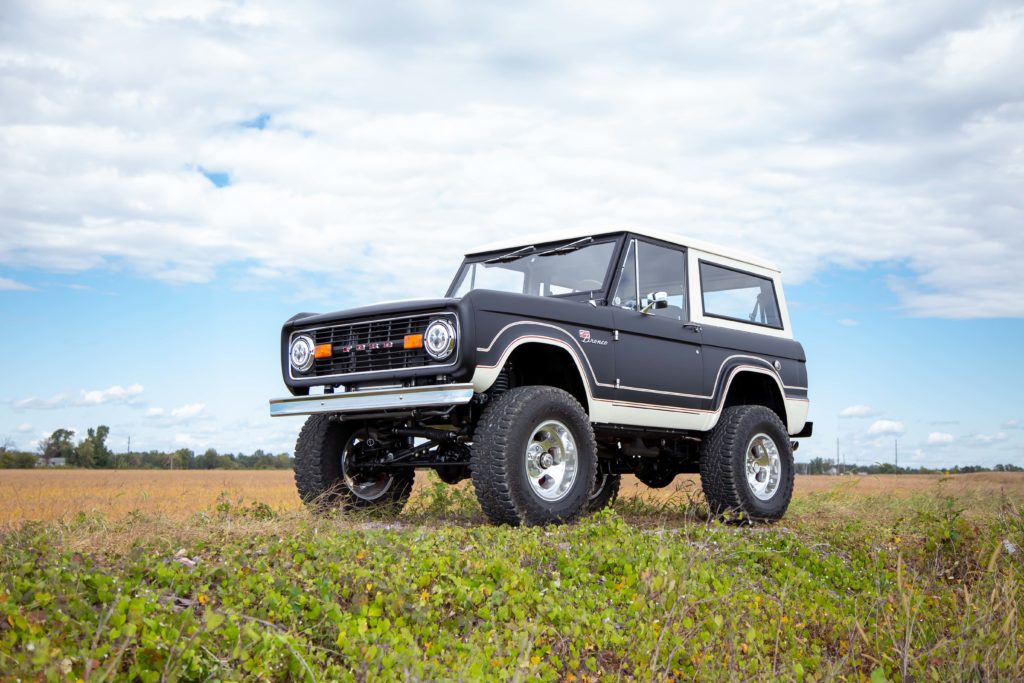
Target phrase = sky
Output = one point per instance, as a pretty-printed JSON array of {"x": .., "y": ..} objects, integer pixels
[{"x": 177, "y": 179}]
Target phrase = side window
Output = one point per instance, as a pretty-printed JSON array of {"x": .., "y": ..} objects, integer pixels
[
  {"x": 663, "y": 270},
  {"x": 660, "y": 270},
  {"x": 736, "y": 295},
  {"x": 625, "y": 293}
]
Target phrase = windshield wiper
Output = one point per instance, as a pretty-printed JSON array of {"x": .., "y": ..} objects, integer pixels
[
  {"x": 566, "y": 248},
  {"x": 512, "y": 255}
]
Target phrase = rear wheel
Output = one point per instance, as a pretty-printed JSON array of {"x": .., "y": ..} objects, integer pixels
[
  {"x": 534, "y": 458},
  {"x": 746, "y": 465},
  {"x": 330, "y": 468},
  {"x": 606, "y": 490}
]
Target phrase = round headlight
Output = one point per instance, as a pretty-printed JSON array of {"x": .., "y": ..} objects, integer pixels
[
  {"x": 439, "y": 339},
  {"x": 301, "y": 353}
]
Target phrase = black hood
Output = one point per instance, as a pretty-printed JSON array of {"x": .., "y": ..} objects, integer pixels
[{"x": 371, "y": 311}]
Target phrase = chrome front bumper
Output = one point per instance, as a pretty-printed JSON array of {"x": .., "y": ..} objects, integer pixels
[{"x": 372, "y": 400}]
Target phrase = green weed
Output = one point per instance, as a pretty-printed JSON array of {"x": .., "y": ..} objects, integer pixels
[{"x": 845, "y": 588}]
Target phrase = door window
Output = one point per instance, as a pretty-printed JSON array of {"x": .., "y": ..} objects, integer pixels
[{"x": 660, "y": 269}]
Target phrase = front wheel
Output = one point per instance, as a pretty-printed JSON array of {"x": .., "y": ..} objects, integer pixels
[
  {"x": 331, "y": 470},
  {"x": 746, "y": 465},
  {"x": 534, "y": 458}
]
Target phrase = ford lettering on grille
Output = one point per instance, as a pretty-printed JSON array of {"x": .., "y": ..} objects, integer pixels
[{"x": 372, "y": 345}]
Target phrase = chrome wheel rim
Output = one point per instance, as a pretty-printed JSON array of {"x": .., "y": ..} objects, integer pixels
[
  {"x": 764, "y": 467},
  {"x": 551, "y": 460},
  {"x": 364, "y": 486}
]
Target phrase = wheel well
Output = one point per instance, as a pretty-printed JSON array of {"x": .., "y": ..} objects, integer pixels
[
  {"x": 534, "y": 364},
  {"x": 754, "y": 388}
]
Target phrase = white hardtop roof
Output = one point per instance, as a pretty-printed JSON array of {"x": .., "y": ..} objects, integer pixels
[{"x": 560, "y": 235}]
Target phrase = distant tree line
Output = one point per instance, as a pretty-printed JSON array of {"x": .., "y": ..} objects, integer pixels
[
  {"x": 92, "y": 452},
  {"x": 829, "y": 466}
]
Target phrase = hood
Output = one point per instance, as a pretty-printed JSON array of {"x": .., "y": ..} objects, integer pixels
[{"x": 377, "y": 310}]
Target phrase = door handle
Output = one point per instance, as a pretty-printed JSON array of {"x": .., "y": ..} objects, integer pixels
[{"x": 692, "y": 326}]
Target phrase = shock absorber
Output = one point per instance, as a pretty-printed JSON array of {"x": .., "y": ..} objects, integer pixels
[{"x": 502, "y": 383}]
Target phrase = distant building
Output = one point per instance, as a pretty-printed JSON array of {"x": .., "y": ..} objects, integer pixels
[{"x": 54, "y": 462}]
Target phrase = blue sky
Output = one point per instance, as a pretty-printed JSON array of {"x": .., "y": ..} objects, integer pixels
[{"x": 169, "y": 198}]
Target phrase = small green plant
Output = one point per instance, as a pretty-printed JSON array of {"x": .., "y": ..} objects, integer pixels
[
  {"x": 848, "y": 588},
  {"x": 256, "y": 510},
  {"x": 441, "y": 501}
]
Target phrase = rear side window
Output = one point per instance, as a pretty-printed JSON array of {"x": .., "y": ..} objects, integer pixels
[{"x": 737, "y": 295}]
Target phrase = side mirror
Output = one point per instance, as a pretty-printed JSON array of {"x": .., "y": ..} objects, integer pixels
[{"x": 655, "y": 300}]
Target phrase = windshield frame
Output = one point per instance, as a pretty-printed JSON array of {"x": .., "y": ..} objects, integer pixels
[{"x": 598, "y": 295}]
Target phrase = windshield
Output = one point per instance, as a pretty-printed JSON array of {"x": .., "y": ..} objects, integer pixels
[{"x": 558, "y": 270}]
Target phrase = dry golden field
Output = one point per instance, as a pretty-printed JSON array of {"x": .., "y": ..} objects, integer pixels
[{"x": 177, "y": 494}]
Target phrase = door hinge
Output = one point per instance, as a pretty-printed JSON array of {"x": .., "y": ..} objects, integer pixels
[
  {"x": 616, "y": 382},
  {"x": 615, "y": 335}
]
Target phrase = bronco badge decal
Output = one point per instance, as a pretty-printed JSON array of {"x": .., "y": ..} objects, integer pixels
[{"x": 586, "y": 338}]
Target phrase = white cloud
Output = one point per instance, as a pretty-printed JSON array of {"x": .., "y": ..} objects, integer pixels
[
  {"x": 848, "y": 322},
  {"x": 988, "y": 439},
  {"x": 177, "y": 415},
  {"x": 886, "y": 428},
  {"x": 9, "y": 285},
  {"x": 58, "y": 401},
  {"x": 183, "y": 439},
  {"x": 24, "y": 427},
  {"x": 940, "y": 439},
  {"x": 846, "y": 135},
  {"x": 857, "y": 411},
  {"x": 114, "y": 394},
  {"x": 188, "y": 411},
  {"x": 111, "y": 394},
  {"x": 1011, "y": 424}
]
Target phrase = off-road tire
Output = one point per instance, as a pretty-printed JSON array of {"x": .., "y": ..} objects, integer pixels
[
  {"x": 318, "y": 470},
  {"x": 605, "y": 493},
  {"x": 498, "y": 460},
  {"x": 723, "y": 465}
]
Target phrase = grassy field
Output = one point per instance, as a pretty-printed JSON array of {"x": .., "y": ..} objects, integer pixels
[{"x": 220, "y": 576}]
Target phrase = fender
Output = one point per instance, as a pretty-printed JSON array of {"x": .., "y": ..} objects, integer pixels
[
  {"x": 485, "y": 375},
  {"x": 794, "y": 409}
]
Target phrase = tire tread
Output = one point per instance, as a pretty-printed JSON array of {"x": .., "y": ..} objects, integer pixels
[
  {"x": 317, "y": 470},
  {"x": 489, "y": 464},
  {"x": 719, "y": 458}
]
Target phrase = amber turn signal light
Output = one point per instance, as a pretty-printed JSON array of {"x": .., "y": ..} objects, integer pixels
[
  {"x": 322, "y": 351},
  {"x": 413, "y": 341}
]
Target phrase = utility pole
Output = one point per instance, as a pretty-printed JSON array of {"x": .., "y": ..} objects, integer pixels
[
  {"x": 129, "y": 444},
  {"x": 896, "y": 447}
]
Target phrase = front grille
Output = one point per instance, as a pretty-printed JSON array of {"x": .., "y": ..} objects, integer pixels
[{"x": 372, "y": 345}]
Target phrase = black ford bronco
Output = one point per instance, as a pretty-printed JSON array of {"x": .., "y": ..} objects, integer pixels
[{"x": 551, "y": 368}]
